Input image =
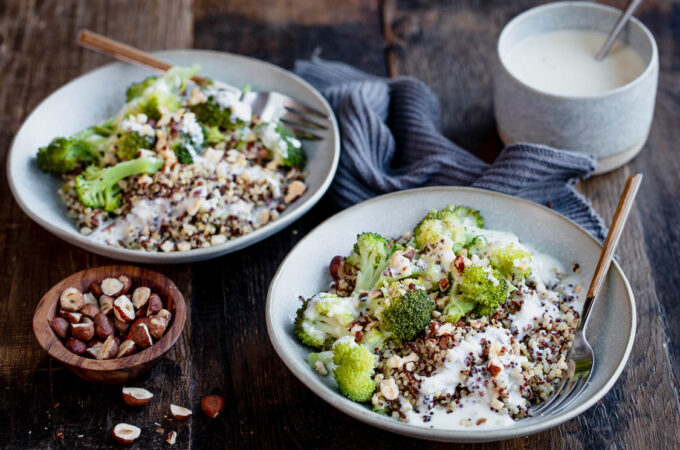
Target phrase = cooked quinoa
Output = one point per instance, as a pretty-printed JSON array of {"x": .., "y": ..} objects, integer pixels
[
  {"x": 224, "y": 172},
  {"x": 499, "y": 322}
]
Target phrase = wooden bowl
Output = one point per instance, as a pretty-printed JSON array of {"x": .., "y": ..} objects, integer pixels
[{"x": 119, "y": 370}]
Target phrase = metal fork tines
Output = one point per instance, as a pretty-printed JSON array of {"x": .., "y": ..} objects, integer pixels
[
  {"x": 581, "y": 357},
  {"x": 580, "y": 364},
  {"x": 301, "y": 119}
]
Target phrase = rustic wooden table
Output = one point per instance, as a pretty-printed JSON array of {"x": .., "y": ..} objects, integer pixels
[{"x": 225, "y": 348}]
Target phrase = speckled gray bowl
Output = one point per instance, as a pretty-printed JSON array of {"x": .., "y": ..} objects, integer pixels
[
  {"x": 305, "y": 272},
  {"x": 612, "y": 125}
]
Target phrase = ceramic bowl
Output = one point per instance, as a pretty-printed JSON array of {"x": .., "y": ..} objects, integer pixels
[
  {"x": 119, "y": 370},
  {"x": 304, "y": 272},
  {"x": 99, "y": 94},
  {"x": 612, "y": 125}
]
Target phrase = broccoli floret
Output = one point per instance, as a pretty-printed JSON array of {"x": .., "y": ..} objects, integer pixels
[
  {"x": 213, "y": 135},
  {"x": 481, "y": 290},
  {"x": 510, "y": 260},
  {"x": 468, "y": 216},
  {"x": 137, "y": 89},
  {"x": 129, "y": 143},
  {"x": 211, "y": 114},
  {"x": 407, "y": 315},
  {"x": 324, "y": 318},
  {"x": 294, "y": 155},
  {"x": 161, "y": 93},
  {"x": 440, "y": 227},
  {"x": 322, "y": 362},
  {"x": 355, "y": 370},
  {"x": 182, "y": 152},
  {"x": 373, "y": 339},
  {"x": 98, "y": 188},
  {"x": 371, "y": 256},
  {"x": 67, "y": 154}
]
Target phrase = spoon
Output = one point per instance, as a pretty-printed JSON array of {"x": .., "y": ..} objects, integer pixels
[{"x": 632, "y": 6}]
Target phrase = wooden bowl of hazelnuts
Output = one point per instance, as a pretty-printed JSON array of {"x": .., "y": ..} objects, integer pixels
[{"x": 110, "y": 324}]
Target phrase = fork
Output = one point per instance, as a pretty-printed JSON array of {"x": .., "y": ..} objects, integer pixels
[
  {"x": 299, "y": 118},
  {"x": 581, "y": 357}
]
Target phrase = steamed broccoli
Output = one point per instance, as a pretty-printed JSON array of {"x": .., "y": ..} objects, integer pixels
[
  {"x": 453, "y": 225},
  {"x": 324, "y": 318},
  {"x": 481, "y": 290},
  {"x": 189, "y": 142},
  {"x": 67, "y": 154},
  {"x": 371, "y": 256},
  {"x": 163, "y": 93},
  {"x": 129, "y": 143},
  {"x": 373, "y": 339},
  {"x": 213, "y": 135},
  {"x": 137, "y": 89},
  {"x": 98, "y": 188},
  {"x": 355, "y": 370},
  {"x": 407, "y": 315},
  {"x": 512, "y": 260},
  {"x": 294, "y": 155},
  {"x": 212, "y": 115}
]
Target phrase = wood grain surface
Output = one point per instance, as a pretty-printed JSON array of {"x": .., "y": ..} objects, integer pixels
[{"x": 225, "y": 348}]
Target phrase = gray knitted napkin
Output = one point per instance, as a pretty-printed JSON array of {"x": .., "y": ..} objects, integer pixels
[{"x": 391, "y": 141}]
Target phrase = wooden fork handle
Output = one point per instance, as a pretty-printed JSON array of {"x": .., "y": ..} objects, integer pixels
[
  {"x": 619, "y": 220},
  {"x": 123, "y": 52}
]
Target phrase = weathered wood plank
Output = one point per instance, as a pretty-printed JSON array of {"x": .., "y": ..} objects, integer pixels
[{"x": 37, "y": 55}]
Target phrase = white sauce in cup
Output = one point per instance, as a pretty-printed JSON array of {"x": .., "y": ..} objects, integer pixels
[{"x": 563, "y": 63}]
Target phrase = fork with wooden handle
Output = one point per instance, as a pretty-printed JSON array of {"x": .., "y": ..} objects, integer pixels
[
  {"x": 269, "y": 105},
  {"x": 581, "y": 356}
]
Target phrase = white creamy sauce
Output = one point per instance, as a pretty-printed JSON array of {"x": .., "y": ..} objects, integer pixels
[
  {"x": 230, "y": 100},
  {"x": 272, "y": 139},
  {"x": 563, "y": 63},
  {"x": 471, "y": 410},
  {"x": 534, "y": 309}
]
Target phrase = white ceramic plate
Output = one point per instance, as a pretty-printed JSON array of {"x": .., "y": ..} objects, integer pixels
[
  {"x": 99, "y": 94},
  {"x": 304, "y": 272}
]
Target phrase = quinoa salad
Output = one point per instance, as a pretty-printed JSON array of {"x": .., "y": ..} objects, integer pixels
[
  {"x": 450, "y": 326},
  {"x": 181, "y": 166}
]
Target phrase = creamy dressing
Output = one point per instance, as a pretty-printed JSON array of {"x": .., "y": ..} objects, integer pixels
[
  {"x": 563, "y": 63},
  {"x": 240, "y": 111}
]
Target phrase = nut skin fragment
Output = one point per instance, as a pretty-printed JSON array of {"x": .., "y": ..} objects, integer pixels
[
  {"x": 109, "y": 349},
  {"x": 120, "y": 326},
  {"x": 96, "y": 289},
  {"x": 71, "y": 299},
  {"x": 93, "y": 350},
  {"x": 157, "y": 326},
  {"x": 112, "y": 287},
  {"x": 89, "y": 310},
  {"x": 72, "y": 317},
  {"x": 125, "y": 433},
  {"x": 103, "y": 326},
  {"x": 75, "y": 346},
  {"x": 106, "y": 304},
  {"x": 134, "y": 396},
  {"x": 171, "y": 438},
  {"x": 140, "y": 297},
  {"x": 164, "y": 313},
  {"x": 336, "y": 266},
  {"x": 139, "y": 332},
  {"x": 212, "y": 405},
  {"x": 126, "y": 348},
  {"x": 123, "y": 309},
  {"x": 60, "y": 326},
  {"x": 127, "y": 284},
  {"x": 155, "y": 305},
  {"x": 82, "y": 331},
  {"x": 179, "y": 412}
]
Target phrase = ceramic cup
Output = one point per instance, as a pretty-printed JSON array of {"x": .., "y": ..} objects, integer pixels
[{"x": 612, "y": 125}]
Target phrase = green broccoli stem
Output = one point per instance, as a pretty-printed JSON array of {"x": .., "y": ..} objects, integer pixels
[{"x": 97, "y": 188}]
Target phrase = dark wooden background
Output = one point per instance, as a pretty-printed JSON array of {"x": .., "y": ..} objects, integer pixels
[{"x": 225, "y": 348}]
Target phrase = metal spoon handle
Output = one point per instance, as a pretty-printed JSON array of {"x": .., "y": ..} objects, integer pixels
[
  {"x": 632, "y": 6},
  {"x": 613, "y": 237}
]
